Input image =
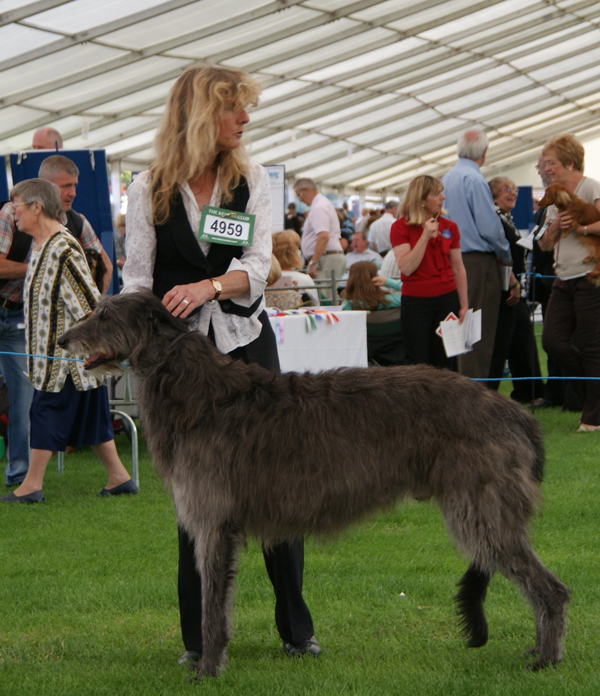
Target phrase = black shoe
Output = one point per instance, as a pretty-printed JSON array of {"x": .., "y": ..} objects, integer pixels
[
  {"x": 127, "y": 488},
  {"x": 546, "y": 403},
  {"x": 35, "y": 497},
  {"x": 189, "y": 657},
  {"x": 309, "y": 647}
]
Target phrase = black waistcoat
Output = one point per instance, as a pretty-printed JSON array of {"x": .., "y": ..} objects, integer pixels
[
  {"x": 74, "y": 223},
  {"x": 180, "y": 260}
]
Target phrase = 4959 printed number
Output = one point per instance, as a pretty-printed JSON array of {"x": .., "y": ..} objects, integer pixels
[{"x": 232, "y": 229}]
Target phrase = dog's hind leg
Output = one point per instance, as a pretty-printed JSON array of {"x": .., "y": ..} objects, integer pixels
[
  {"x": 216, "y": 553},
  {"x": 469, "y": 601},
  {"x": 549, "y": 598}
]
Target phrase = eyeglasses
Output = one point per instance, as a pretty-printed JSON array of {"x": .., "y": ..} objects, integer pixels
[
  {"x": 508, "y": 189},
  {"x": 16, "y": 205}
]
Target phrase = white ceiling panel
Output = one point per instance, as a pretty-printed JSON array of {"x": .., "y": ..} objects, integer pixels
[{"x": 358, "y": 94}]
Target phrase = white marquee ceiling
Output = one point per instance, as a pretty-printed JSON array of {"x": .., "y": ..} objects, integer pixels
[{"x": 358, "y": 95}]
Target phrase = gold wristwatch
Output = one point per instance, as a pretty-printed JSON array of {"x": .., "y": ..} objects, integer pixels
[{"x": 218, "y": 288}]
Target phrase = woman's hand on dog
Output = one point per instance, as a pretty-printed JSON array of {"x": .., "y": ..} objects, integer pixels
[{"x": 183, "y": 299}]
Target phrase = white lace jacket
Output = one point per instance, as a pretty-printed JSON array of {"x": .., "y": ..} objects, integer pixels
[{"x": 230, "y": 330}]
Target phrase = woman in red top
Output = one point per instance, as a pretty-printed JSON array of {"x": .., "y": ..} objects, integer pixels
[{"x": 434, "y": 281}]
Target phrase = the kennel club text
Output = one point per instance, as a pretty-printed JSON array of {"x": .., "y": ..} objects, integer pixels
[{"x": 226, "y": 226}]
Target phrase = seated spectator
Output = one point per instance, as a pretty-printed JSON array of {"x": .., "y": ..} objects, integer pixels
[
  {"x": 346, "y": 227},
  {"x": 515, "y": 340},
  {"x": 286, "y": 247},
  {"x": 364, "y": 289},
  {"x": 379, "y": 231},
  {"x": 69, "y": 407},
  {"x": 389, "y": 267},
  {"x": 280, "y": 299},
  {"x": 361, "y": 252}
]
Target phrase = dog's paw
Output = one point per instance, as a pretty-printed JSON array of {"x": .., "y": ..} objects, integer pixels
[
  {"x": 200, "y": 673},
  {"x": 478, "y": 638},
  {"x": 540, "y": 664}
]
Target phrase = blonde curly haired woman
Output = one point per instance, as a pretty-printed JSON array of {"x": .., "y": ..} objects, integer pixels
[{"x": 200, "y": 161}]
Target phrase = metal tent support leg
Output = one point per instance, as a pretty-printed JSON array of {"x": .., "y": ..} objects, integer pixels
[{"x": 134, "y": 449}]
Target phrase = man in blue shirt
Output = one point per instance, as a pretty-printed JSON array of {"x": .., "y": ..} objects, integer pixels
[{"x": 484, "y": 246}]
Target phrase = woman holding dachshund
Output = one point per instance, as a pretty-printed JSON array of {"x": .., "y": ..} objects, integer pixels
[
  {"x": 179, "y": 253},
  {"x": 571, "y": 333}
]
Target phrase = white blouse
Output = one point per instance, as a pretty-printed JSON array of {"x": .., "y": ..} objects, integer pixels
[{"x": 231, "y": 331}]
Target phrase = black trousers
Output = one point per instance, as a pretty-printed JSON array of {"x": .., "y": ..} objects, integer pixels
[
  {"x": 419, "y": 318},
  {"x": 515, "y": 342},
  {"x": 523, "y": 359},
  {"x": 574, "y": 307},
  {"x": 284, "y": 562}
]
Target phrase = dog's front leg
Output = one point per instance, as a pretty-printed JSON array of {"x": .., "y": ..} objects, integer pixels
[{"x": 216, "y": 553}]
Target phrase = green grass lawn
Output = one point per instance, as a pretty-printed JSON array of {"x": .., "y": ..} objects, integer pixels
[{"x": 89, "y": 606}]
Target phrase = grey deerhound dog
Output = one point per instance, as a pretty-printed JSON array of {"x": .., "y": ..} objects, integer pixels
[{"x": 414, "y": 431}]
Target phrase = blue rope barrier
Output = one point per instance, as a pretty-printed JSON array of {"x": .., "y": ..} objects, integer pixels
[
  {"x": 47, "y": 357},
  {"x": 520, "y": 379}
]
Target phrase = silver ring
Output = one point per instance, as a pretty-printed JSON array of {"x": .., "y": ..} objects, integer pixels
[{"x": 185, "y": 302}]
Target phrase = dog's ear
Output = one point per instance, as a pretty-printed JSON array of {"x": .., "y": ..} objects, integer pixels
[
  {"x": 562, "y": 199},
  {"x": 159, "y": 315},
  {"x": 156, "y": 314}
]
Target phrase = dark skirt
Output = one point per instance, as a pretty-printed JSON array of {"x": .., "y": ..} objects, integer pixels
[{"x": 70, "y": 417}]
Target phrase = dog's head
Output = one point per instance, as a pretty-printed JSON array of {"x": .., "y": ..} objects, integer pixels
[
  {"x": 558, "y": 195},
  {"x": 122, "y": 328}
]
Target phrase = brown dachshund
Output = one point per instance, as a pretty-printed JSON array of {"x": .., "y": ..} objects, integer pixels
[{"x": 583, "y": 214}]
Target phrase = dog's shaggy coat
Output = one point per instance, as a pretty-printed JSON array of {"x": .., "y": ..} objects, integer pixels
[{"x": 347, "y": 442}]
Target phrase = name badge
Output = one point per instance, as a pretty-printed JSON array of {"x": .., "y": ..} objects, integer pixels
[{"x": 221, "y": 226}]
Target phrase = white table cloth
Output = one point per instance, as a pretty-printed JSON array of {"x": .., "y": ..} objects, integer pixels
[{"x": 329, "y": 345}]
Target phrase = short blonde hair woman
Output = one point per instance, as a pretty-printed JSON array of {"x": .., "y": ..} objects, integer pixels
[
  {"x": 575, "y": 301},
  {"x": 200, "y": 161},
  {"x": 434, "y": 281},
  {"x": 286, "y": 247},
  {"x": 567, "y": 150}
]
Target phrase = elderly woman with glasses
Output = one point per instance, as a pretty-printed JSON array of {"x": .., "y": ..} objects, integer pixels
[
  {"x": 574, "y": 306},
  {"x": 515, "y": 340},
  {"x": 69, "y": 406}
]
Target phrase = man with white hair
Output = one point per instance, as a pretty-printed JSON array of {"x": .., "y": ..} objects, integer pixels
[
  {"x": 379, "y": 232},
  {"x": 47, "y": 138},
  {"x": 483, "y": 243},
  {"x": 321, "y": 236}
]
